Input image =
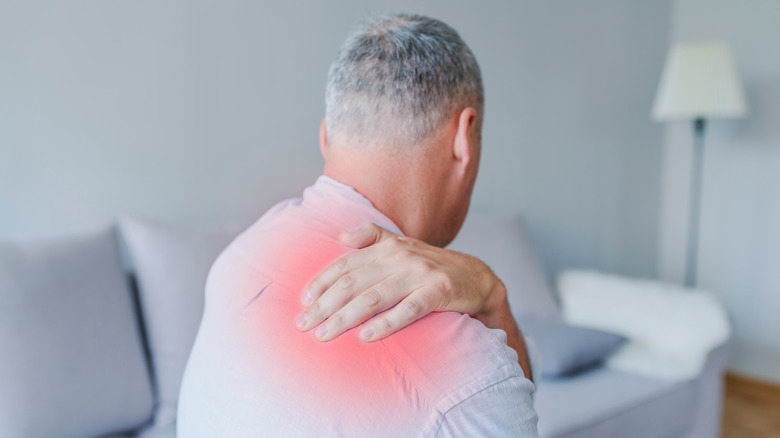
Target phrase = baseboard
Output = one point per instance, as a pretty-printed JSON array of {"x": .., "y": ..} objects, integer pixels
[
  {"x": 740, "y": 382},
  {"x": 755, "y": 361}
]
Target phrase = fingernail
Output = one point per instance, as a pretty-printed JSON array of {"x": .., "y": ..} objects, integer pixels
[
  {"x": 301, "y": 322},
  {"x": 307, "y": 299},
  {"x": 367, "y": 333},
  {"x": 321, "y": 332}
]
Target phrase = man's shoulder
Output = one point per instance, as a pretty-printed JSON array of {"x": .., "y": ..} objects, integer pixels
[
  {"x": 288, "y": 229},
  {"x": 450, "y": 357},
  {"x": 288, "y": 246}
]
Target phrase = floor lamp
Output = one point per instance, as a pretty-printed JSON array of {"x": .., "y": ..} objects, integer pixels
[{"x": 699, "y": 83}]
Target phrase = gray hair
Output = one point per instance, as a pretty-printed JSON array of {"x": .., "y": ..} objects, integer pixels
[{"x": 398, "y": 78}]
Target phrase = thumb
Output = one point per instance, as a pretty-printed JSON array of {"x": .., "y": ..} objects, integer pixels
[{"x": 364, "y": 236}]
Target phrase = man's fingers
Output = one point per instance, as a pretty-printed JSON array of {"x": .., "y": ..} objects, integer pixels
[
  {"x": 364, "y": 236},
  {"x": 420, "y": 303},
  {"x": 326, "y": 279},
  {"x": 338, "y": 294},
  {"x": 362, "y": 284},
  {"x": 371, "y": 301}
]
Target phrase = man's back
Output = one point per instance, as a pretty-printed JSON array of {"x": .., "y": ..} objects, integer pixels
[{"x": 251, "y": 373}]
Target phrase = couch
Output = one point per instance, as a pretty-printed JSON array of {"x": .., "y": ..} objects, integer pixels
[{"x": 95, "y": 331}]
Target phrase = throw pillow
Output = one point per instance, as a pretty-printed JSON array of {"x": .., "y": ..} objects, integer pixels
[
  {"x": 72, "y": 356},
  {"x": 567, "y": 349}
]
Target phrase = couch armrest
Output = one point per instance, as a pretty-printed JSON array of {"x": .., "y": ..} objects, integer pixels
[{"x": 706, "y": 422}]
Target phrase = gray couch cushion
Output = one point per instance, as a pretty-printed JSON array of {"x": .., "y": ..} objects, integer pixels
[
  {"x": 566, "y": 349},
  {"x": 502, "y": 243},
  {"x": 602, "y": 403},
  {"x": 72, "y": 357},
  {"x": 171, "y": 265}
]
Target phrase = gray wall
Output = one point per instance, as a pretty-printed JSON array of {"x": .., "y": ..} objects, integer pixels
[
  {"x": 205, "y": 112},
  {"x": 740, "y": 222}
]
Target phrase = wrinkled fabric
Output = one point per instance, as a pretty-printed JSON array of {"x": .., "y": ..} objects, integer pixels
[{"x": 252, "y": 373}]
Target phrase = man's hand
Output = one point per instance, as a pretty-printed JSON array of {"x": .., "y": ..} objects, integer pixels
[
  {"x": 418, "y": 277},
  {"x": 411, "y": 275}
]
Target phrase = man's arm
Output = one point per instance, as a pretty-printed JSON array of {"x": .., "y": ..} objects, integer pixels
[
  {"x": 412, "y": 279},
  {"x": 498, "y": 316}
]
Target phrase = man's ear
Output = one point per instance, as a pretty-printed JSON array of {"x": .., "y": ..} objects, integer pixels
[
  {"x": 461, "y": 148},
  {"x": 324, "y": 139}
]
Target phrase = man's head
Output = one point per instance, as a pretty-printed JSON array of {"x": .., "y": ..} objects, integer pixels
[
  {"x": 398, "y": 78},
  {"x": 405, "y": 94}
]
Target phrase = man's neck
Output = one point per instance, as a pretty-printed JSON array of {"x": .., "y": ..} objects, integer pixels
[{"x": 392, "y": 187}]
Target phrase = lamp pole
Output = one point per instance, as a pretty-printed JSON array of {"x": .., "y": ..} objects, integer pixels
[{"x": 694, "y": 213}]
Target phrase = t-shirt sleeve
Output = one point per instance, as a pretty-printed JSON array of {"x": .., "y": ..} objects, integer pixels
[{"x": 504, "y": 409}]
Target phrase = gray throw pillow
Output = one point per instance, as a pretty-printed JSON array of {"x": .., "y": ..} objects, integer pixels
[
  {"x": 171, "y": 265},
  {"x": 71, "y": 354},
  {"x": 567, "y": 349},
  {"x": 502, "y": 243}
]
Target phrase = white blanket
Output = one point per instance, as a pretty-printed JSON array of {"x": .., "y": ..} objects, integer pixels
[{"x": 670, "y": 329}]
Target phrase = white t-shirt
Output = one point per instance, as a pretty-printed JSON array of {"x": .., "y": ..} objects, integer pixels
[{"x": 253, "y": 374}]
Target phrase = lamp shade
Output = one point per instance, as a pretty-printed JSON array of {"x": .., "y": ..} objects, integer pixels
[{"x": 699, "y": 81}]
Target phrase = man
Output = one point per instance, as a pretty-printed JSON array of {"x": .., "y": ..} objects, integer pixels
[{"x": 401, "y": 140}]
